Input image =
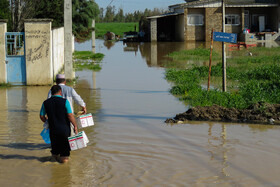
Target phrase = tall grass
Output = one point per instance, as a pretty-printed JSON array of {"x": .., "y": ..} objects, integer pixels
[
  {"x": 256, "y": 83},
  {"x": 193, "y": 54}
]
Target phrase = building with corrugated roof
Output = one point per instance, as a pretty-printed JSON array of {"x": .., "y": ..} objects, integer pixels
[{"x": 194, "y": 20}]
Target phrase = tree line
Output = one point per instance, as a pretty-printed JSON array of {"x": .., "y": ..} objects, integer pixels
[
  {"x": 16, "y": 11},
  {"x": 111, "y": 14},
  {"x": 83, "y": 12}
]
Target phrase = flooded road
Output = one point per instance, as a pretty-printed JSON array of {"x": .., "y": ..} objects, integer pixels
[{"x": 130, "y": 145}]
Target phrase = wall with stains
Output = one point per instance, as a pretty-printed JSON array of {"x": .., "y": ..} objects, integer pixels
[{"x": 38, "y": 42}]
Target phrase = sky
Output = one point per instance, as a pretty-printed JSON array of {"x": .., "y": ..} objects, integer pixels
[{"x": 129, "y": 6}]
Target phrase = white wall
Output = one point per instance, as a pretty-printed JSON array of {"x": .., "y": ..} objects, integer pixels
[
  {"x": 57, "y": 50},
  {"x": 38, "y": 57},
  {"x": 3, "y": 30}
]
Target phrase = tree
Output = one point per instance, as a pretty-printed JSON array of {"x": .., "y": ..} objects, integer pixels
[
  {"x": 50, "y": 9},
  {"x": 4, "y": 9},
  {"x": 101, "y": 15},
  {"x": 20, "y": 10},
  {"x": 119, "y": 16},
  {"x": 5, "y": 12},
  {"x": 110, "y": 14},
  {"x": 129, "y": 17},
  {"x": 84, "y": 11}
]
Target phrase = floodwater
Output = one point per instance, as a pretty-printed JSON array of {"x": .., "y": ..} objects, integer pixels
[{"x": 130, "y": 145}]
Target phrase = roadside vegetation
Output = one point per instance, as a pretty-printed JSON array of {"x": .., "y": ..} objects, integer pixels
[
  {"x": 87, "y": 60},
  {"x": 5, "y": 85},
  {"x": 117, "y": 28},
  {"x": 250, "y": 79}
]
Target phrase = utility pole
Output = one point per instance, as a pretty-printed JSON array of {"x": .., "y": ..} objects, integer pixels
[
  {"x": 68, "y": 64},
  {"x": 93, "y": 36},
  {"x": 224, "y": 49}
]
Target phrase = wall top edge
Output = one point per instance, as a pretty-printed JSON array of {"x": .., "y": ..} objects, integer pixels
[
  {"x": 38, "y": 20},
  {"x": 3, "y": 20}
]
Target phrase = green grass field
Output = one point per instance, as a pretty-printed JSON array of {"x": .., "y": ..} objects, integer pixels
[
  {"x": 256, "y": 79},
  {"x": 117, "y": 28}
]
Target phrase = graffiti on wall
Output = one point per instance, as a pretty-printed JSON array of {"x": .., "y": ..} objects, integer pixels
[{"x": 40, "y": 45}]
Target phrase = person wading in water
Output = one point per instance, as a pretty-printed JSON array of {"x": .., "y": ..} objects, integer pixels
[{"x": 59, "y": 114}]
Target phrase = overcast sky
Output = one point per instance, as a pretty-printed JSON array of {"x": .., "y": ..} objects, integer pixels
[{"x": 132, "y": 5}]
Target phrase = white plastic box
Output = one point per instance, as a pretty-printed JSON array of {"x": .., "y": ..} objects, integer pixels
[
  {"x": 84, "y": 121},
  {"x": 78, "y": 141}
]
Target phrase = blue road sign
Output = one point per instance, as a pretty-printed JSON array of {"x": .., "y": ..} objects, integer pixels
[{"x": 225, "y": 37}]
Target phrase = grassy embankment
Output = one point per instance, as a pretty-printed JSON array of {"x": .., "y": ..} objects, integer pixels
[
  {"x": 117, "y": 28},
  {"x": 87, "y": 60},
  {"x": 251, "y": 79}
]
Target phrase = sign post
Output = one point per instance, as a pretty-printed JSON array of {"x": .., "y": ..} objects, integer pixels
[
  {"x": 223, "y": 37},
  {"x": 224, "y": 49},
  {"x": 210, "y": 60}
]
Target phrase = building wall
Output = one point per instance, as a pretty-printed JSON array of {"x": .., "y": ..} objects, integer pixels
[
  {"x": 237, "y": 29},
  {"x": 58, "y": 50},
  {"x": 179, "y": 28},
  {"x": 271, "y": 17},
  {"x": 194, "y": 32},
  {"x": 185, "y": 24},
  {"x": 274, "y": 19},
  {"x": 213, "y": 20},
  {"x": 3, "y": 30},
  {"x": 38, "y": 52}
]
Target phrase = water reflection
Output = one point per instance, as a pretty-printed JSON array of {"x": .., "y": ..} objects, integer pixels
[
  {"x": 156, "y": 53},
  {"x": 218, "y": 148},
  {"x": 17, "y": 113},
  {"x": 108, "y": 44},
  {"x": 88, "y": 91}
]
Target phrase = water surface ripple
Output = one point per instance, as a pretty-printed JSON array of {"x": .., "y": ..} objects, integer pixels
[{"x": 130, "y": 145}]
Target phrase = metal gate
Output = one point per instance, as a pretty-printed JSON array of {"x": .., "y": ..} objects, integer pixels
[{"x": 15, "y": 58}]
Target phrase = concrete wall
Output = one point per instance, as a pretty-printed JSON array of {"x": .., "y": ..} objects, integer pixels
[
  {"x": 153, "y": 30},
  {"x": 58, "y": 50},
  {"x": 213, "y": 20},
  {"x": 38, "y": 44},
  {"x": 68, "y": 41},
  {"x": 3, "y": 30}
]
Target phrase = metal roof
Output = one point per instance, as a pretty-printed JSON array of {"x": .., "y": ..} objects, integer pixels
[
  {"x": 229, "y": 3},
  {"x": 165, "y": 15}
]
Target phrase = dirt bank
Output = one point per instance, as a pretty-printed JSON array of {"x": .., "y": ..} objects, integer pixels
[{"x": 263, "y": 113}]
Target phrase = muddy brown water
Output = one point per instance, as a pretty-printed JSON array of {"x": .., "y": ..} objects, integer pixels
[{"x": 130, "y": 145}]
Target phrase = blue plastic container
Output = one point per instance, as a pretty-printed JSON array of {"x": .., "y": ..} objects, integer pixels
[{"x": 46, "y": 135}]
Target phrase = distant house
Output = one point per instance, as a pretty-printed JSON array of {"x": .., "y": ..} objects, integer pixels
[{"x": 195, "y": 19}]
